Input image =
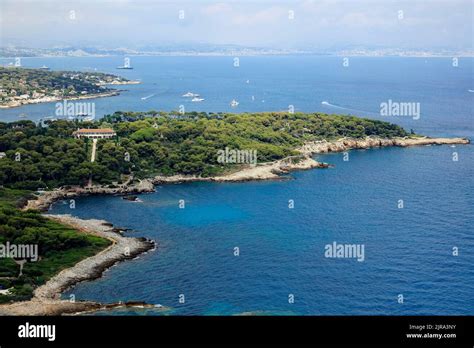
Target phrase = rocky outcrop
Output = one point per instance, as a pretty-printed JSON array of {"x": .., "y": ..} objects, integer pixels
[
  {"x": 345, "y": 144},
  {"x": 122, "y": 248},
  {"x": 44, "y": 307},
  {"x": 273, "y": 170},
  {"x": 263, "y": 171},
  {"x": 46, "y": 300},
  {"x": 44, "y": 200}
]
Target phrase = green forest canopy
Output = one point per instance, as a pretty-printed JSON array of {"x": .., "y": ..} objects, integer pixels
[
  {"x": 161, "y": 143},
  {"x": 59, "y": 246}
]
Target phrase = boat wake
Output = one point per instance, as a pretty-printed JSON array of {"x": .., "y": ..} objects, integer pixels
[
  {"x": 148, "y": 96},
  {"x": 325, "y": 103},
  {"x": 471, "y": 90},
  {"x": 333, "y": 105}
]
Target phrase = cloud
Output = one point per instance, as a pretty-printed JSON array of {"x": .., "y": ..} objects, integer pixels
[{"x": 322, "y": 23}]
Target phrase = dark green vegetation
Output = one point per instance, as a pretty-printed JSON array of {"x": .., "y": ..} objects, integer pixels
[
  {"x": 59, "y": 247},
  {"x": 37, "y": 83},
  {"x": 154, "y": 143}
]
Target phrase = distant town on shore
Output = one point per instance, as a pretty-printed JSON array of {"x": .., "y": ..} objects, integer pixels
[{"x": 8, "y": 51}]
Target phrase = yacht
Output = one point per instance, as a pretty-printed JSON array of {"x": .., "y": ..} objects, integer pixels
[
  {"x": 44, "y": 67},
  {"x": 191, "y": 94},
  {"x": 82, "y": 118},
  {"x": 88, "y": 118},
  {"x": 234, "y": 103}
]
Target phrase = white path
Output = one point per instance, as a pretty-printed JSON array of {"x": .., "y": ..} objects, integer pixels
[{"x": 94, "y": 149}]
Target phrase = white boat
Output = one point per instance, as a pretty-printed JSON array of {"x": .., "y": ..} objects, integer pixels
[
  {"x": 88, "y": 118},
  {"x": 196, "y": 99},
  {"x": 82, "y": 118},
  {"x": 191, "y": 94},
  {"x": 234, "y": 103},
  {"x": 44, "y": 67}
]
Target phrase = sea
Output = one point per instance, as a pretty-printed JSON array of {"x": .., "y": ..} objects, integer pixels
[{"x": 263, "y": 248}]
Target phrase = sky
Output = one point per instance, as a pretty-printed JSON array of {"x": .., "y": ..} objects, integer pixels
[{"x": 305, "y": 24}]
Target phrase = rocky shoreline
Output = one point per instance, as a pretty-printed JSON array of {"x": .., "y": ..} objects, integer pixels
[
  {"x": 274, "y": 170},
  {"x": 345, "y": 144},
  {"x": 122, "y": 248},
  {"x": 45, "y": 199},
  {"x": 51, "y": 99},
  {"x": 46, "y": 300},
  {"x": 261, "y": 171}
]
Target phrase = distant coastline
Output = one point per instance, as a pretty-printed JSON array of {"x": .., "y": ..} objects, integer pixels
[
  {"x": 258, "y": 54},
  {"x": 224, "y": 51}
]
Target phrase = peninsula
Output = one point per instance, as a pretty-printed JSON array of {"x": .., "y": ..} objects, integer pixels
[
  {"x": 40, "y": 164},
  {"x": 20, "y": 86}
]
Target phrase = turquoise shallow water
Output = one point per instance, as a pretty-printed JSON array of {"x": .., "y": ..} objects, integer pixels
[{"x": 407, "y": 251}]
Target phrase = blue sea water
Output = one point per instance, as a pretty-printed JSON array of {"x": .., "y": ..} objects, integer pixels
[
  {"x": 279, "y": 81},
  {"x": 408, "y": 251}
]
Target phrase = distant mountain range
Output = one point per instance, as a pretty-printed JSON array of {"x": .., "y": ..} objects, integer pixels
[{"x": 220, "y": 50}]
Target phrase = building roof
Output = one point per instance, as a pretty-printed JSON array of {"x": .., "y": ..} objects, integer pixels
[{"x": 94, "y": 131}]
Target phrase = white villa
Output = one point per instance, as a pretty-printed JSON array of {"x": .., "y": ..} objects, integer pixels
[{"x": 94, "y": 133}]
